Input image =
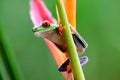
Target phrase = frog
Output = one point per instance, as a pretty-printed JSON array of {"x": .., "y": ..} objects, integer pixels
[{"x": 54, "y": 33}]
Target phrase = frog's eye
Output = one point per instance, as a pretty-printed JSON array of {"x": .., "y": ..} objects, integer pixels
[{"x": 46, "y": 24}]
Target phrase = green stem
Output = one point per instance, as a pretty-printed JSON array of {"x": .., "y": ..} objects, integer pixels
[
  {"x": 9, "y": 57},
  {"x": 3, "y": 75},
  {"x": 1, "y": 78},
  {"x": 74, "y": 59}
]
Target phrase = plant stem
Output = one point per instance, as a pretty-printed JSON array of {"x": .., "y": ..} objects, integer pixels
[
  {"x": 3, "y": 75},
  {"x": 9, "y": 57},
  {"x": 74, "y": 59}
]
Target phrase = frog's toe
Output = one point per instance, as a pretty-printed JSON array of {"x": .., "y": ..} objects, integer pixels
[{"x": 83, "y": 60}]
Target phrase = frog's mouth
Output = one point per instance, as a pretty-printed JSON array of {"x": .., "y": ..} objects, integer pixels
[
  {"x": 44, "y": 33},
  {"x": 41, "y": 33}
]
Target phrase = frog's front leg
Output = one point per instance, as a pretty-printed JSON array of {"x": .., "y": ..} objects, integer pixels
[
  {"x": 61, "y": 45},
  {"x": 60, "y": 29}
]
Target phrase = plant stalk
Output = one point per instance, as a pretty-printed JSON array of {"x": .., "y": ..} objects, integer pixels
[
  {"x": 74, "y": 59},
  {"x": 9, "y": 58}
]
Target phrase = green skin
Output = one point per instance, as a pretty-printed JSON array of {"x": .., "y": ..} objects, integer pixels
[{"x": 50, "y": 32}]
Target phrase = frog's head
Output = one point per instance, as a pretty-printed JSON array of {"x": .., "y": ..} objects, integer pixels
[{"x": 43, "y": 29}]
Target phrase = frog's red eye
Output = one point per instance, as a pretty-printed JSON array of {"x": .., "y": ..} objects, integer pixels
[{"x": 46, "y": 24}]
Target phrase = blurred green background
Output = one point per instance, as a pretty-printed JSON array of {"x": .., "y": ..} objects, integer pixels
[{"x": 98, "y": 21}]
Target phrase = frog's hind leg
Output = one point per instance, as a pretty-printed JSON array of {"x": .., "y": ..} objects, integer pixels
[{"x": 66, "y": 65}]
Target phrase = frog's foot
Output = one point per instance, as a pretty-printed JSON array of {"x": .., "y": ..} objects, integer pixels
[
  {"x": 83, "y": 60},
  {"x": 60, "y": 29},
  {"x": 67, "y": 67}
]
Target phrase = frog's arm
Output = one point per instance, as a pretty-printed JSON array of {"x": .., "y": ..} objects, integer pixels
[{"x": 78, "y": 40}]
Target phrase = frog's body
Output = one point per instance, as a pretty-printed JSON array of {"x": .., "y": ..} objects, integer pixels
[
  {"x": 54, "y": 36},
  {"x": 53, "y": 32}
]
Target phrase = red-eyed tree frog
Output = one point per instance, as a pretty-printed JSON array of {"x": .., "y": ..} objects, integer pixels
[{"x": 54, "y": 33}]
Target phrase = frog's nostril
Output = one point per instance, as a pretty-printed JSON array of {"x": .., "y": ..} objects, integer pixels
[{"x": 33, "y": 30}]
